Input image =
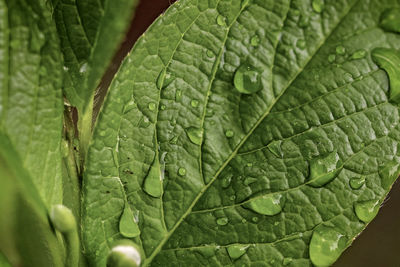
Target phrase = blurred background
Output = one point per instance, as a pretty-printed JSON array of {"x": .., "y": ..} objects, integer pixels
[{"x": 377, "y": 246}]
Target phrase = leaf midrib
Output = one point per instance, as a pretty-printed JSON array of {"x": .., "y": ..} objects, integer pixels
[{"x": 234, "y": 152}]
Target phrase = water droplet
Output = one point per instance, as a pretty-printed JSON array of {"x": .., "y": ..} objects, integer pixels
[
  {"x": 340, "y": 50},
  {"x": 236, "y": 251},
  {"x": 331, "y": 58},
  {"x": 390, "y": 20},
  {"x": 254, "y": 219},
  {"x": 226, "y": 181},
  {"x": 247, "y": 80},
  {"x": 194, "y": 103},
  {"x": 152, "y": 106},
  {"x": 244, "y": 220},
  {"x": 255, "y": 41},
  {"x": 164, "y": 79},
  {"x": 173, "y": 140},
  {"x": 324, "y": 169},
  {"x": 163, "y": 107},
  {"x": 301, "y": 44},
  {"x": 221, "y": 20},
  {"x": 152, "y": 184},
  {"x": 83, "y": 68},
  {"x": 266, "y": 205},
  {"x": 233, "y": 197},
  {"x": 182, "y": 171},
  {"x": 356, "y": 183},
  {"x": 366, "y": 210},
  {"x": 127, "y": 226},
  {"x": 275, "y": 148},
  {"x": 222, "y": 221},
  {"x": 195, "y": 135},
  {"x": 326, "y": 245},
  {"x": 144, "y": 123},
  {"x": 249, "y": 180},
  {"x": 389, "y": 60},
  {"x": 178, "y": 95},
  {"x": 287, "y": 261},
  {"x": 359, "y": 54},
  {"x": 318, "y": 5},
  {"x": 229, "y": 133},
  {"x": 210, "y": 54}
]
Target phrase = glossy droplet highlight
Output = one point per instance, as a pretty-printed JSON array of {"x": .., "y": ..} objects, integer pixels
[
  {"x": 390, "y": 20},
  {"x": 226, "y": 181},
  {"x": 152, "y": 106},
  {"x": 326, "y": 246},
  {"x": 356, "y": 183},
  {"x": 389, "y": 60},
  {"x": 182, "y": 171},
  {"x": 222, "y": 221},
  {"x": 164, "y": 79},
  {"x": 340, "y": 50},
  {"x": 210, "y": 54},
  {"x": 229, "y": 133},
  {"x": 247, "y": 80},
  {"x": 324, "y": 169},
  {"x": 194, "y": 103},
  {"x": 221, "y": 20},
  {"x": 266, "y": 205},
  {"x": 152, "y": 184},
  {"x": 195, "y": 135},
  {"x": 275, "y": 147},
  {"x": 255, "y": 41},
  {"x": 366, "y": 210},
  {"x": 318, "y": 5},
  {"x": 127, "y": 226},
  {"x": 359, "y": 54},
  {"x": 236, "y": 251}
]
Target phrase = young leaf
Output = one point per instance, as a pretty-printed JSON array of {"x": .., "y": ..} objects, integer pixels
[
  {"x": 30, "y": 91},
  {"x": 90, "y": 32},
  {"x": 26, "y": 237},
  {"x": 288, "y": 107}
]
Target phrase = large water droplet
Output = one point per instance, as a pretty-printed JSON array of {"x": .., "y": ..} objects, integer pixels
[
  {"x": 195, "y": 135},
  {"x": 340, "y": 50},
  {"x": 359, "y": 54},
  {"x": 318, "y": 5},
  {"x": 324, "y": 169},
  {"x": 389, "y": 60},
  {"x": 275, "y": 147},
  {"x": 357, "y": 183},
  {"x": 164, "y": 79},
  {"x": 267, "y": 205},
  {"x": 366, "y": 210},
  {"x": 390, "y": 20},
  {"x": 182, "y": 171},
  {"x": 194, "y": 103},
  {"x": 229, "y": 133},
  {"x": 152, "y": 106},
  {"x": 152, "y": 184},
  {"x": 236, "y": 251},
  {"x": 226, "y": 181},
  {"x": 222, "y": 221},
  {"x": 221, "y": 20},
  {"x": 326, "y": 246},
  {"x": 210, "y": 54},
  {"x": 127, "y": 226},
  {"x": 255, "y": 41},
  {"x": 247, "y": 80}
]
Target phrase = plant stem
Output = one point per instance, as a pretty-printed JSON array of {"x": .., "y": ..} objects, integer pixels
[{"x": 85, "y": 130}]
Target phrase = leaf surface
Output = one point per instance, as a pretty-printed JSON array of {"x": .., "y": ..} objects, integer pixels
[
  {"x": 247, "y": 176},
  {"x": 30, "y": 91},
  {"x": 90, "y": 34}
]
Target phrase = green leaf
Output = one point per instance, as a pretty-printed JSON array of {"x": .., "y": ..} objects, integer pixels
[
  {"x": 271, "y": 166},
  {"x": 30, "y": 91},
  {"x": 26, "y": 237},
  {"x": 90, "y": 32}
]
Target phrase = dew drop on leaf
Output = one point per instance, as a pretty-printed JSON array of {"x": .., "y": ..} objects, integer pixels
[
  {"x": 210, "y": 54},
  {"x": 275, "y": 148},
  {"x": 247, "y": 80},
  {"x": 366, "y": 210},
  {"x": 266, "y": 205},
  {"x": 324, "y": 169},
  {"x": 356, "y": 183},
  {"x": 254, "y": 219},
  {"x": 164, "y": 79},
  {"x": 229, "y": 133},
  {"x": 318, "y": 5},
  {"x": 389, "y": 60},
  {"x": 162, "y": 107},
  {"x": 182, "y": 171},
  {"x": 340, "y": 50},
  {"x": 326, "y": 245},
  {"x": 390, "y": 20},
  {"x": 152, "y": 184},
  {"x": 222, "y": 221},
  {"x": 195, "y": 135},
  {"x": 255, "y": 41},
  {"x": 173, "y": 140},
  {"x": 127, "y": 226},
  {"x": 221, "y": 20},
  {"x": 359, "y": 54},
  {"x": 331, "y": 58},
  {"x": 194, "y": 103},
  {"x": 236, "y": 251},
  {"x": 226, "y": 181},
  {"x": 83, "y": 68},
  {"x": 152, "y": 106}
]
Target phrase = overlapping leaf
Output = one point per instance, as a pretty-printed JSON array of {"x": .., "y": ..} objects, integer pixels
[{"x": 321, "y": 120}]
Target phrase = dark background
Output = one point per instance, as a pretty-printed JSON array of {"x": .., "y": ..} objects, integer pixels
[{"x": 377, "y": 246}]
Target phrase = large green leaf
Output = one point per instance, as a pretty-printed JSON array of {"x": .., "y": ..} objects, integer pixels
[
  {"x": 90, "y": 33},
  {"x": 247, "y": 179},
  {"x": 26, "y": 236},
  {"x": 30, "y": 91}
]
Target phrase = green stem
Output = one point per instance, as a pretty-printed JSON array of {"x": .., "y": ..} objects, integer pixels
[
  {"x": 72, "y": 246},
  {"x": 85, "y": 130}
]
